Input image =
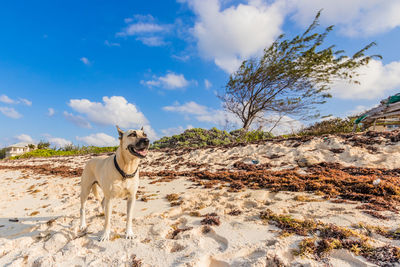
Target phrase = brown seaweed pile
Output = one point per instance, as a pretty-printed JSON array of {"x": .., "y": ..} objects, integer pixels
[
  {"x": 46, "y": 169},
  {"x": 332, "y": 179},
  {"x": 327, "y": 237},
  {"x": 211, "y": 219}
]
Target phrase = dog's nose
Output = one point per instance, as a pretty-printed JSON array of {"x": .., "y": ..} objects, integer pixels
[{"x": 146, "y": 141}]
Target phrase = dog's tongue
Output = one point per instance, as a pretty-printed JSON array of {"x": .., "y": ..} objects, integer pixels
[{"x": 142, "y": 152}]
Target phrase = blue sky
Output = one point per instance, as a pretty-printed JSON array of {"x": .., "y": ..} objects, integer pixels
[{"x": 70, "y": 71}]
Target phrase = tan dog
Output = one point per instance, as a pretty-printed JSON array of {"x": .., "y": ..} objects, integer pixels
[{"x": 117, "y": 175}]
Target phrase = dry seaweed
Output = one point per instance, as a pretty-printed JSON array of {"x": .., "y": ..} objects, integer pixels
[
  {"x": 46, "y": 169},
  {"x": 235, "y": 212},
  {"x": 327, "y": 237},
  {"x": 331, "y": 179},
  {"x": 179, "y": 230},
  {"x": 211, "y": 219}
]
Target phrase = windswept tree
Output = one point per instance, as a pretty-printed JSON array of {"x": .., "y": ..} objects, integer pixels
[{"x": 291, "y": 78}]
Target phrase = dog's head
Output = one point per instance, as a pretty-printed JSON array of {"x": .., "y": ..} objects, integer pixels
[{"x": 134, "y": 142}]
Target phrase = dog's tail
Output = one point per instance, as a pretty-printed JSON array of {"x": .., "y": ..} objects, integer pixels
[{"x": 95, "y": 190}]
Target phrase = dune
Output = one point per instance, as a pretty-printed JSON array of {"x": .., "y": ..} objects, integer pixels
[{"x": 279, "y": 202}]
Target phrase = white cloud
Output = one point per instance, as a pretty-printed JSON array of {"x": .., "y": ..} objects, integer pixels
[
  {"x": 85, "y": 60},
  {"x": 77, "y": 120},
  {"x": 204, "y": 113},
  {"x": 169, "y": 81},
  {"x": 115, "y": 110},
  {"x": 207, "y": 84},
  {"x": 175, "y": 130},
  {"x": 24, "y": 138},
  {"x": 99, "y": 139},
  {"x": 51, "y": 112},
  {"x": 375, "y": 79},
  {"x": 10, "y": 112},
  {"x": 360, "y": 109},
  {"x": 6, "y": 99},
  {"x": 128, "y": 20},
  {"x": 355, "y": 17},
  {"x": 183, "y": 58},
  {"x": 59, "y": 142},
  {"x": 357, "y": 110},
  {"x": 25, "y": 102},
  {"x": 190, "y": 107},
  {"x": 140, "y": 27},
  {"x": 152, "y": 40},
  {"x": 146, "y": 29},
  {"x": 230, "y": 35},
  {"x": 107, "y": 43}
]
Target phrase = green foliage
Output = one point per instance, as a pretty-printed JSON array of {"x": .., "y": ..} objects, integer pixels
[
  {"x": 198, "y": 137},
  {"x": 69, "y": 147},
  {"x": 66, "y": 152},
  {"x": 331, "y": 126},
  {"x": 2, "y": 153},
  {"x": 43, "y": 145},
  {"x": 291, "y": 78},
  {"x": 251, "y": 136},
  {"x": 31, "y": 146}
]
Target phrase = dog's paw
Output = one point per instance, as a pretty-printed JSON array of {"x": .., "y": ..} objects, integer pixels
[
  {"x": 82, "y": 228},
  {"x": 105, "y": 236},
  {"x": 129, "y": 234}
]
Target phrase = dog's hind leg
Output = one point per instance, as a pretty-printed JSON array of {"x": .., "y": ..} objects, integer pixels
[
  {"x": 103, "y": 203},
  {"x": 86, "y": 185},
  {"x": 95, "y": 190}
]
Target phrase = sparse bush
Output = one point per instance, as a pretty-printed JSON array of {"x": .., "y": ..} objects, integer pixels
[
  {"x": 70, "y": 147},
  {"x": 43, "y": 145},
  {"x": 31, "y": 146},
  {"x": 331, "y": 126},
  {"x": 80, "y": 151},
  {"x": 198, "y": 137},
  {"x": 2, "y": 153}
]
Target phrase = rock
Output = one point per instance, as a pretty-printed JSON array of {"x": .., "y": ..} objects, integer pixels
[{"x": 307, "y": 161}]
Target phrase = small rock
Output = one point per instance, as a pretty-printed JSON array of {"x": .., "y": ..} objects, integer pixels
[{"x": 307, "y": 161}]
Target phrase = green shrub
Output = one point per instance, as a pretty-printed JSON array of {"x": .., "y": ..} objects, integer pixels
[
  {"x": 331, "y": 126},
  {"x": 198, "y": 137},
  {"x": 2, "y": 153},
  {"x": 66, "y": 152},
  {"x": 43, "y": 145}
]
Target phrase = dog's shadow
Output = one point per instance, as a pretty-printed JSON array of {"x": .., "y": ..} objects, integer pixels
[
  {"x": 41, "y": 228},
  {"x": 12, "y": 228}
]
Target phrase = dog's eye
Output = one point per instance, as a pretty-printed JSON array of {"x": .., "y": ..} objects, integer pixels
[
  {"x": 132, "y": 134},
  {"x": 145, "y": 135}
]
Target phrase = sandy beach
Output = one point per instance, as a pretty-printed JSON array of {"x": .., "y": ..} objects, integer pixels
[{"x": 244, "y": 205}]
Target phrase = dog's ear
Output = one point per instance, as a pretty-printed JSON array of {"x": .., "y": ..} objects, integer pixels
[
  {"x": 142, "y": 128},
  {"x": 120, "y": 132}
]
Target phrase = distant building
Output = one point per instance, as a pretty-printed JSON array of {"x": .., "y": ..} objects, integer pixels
[{"x": 18, "y": 149}]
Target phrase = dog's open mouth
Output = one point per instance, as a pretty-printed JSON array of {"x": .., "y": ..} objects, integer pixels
[{"x": 141, "y": 153}]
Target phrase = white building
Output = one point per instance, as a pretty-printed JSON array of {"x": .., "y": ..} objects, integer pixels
[{"x": 17, "y": 149}]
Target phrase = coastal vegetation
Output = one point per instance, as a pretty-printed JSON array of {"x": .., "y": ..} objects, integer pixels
[{"x": 198, "y": 137}]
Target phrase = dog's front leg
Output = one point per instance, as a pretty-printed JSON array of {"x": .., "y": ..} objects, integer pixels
[
  {"x": 107, "y": 214},
  {"x": 129, "y": 213}
]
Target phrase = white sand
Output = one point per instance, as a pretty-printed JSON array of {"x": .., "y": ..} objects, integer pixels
[{"x": 242, "y": 240}]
